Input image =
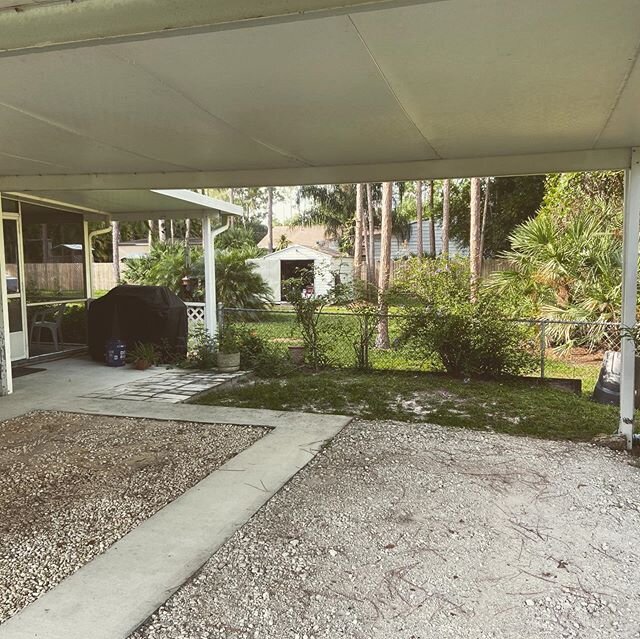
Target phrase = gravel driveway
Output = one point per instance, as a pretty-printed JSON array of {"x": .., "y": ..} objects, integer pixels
[
  {"x": 405, "y": 531},
  {"x": 71, "y": 485}
]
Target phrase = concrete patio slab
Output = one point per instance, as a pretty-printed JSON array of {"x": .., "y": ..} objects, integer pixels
[{"x": 113, "y": 594}]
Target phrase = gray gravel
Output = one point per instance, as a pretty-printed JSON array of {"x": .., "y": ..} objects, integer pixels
[
  {"x": 71, "y": 485},
  {"x": 402, "y": 531}
]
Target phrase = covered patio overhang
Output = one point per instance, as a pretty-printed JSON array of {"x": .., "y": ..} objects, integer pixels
[
  {"x": 121, "y": 94},
  {"x": 49, "y": 209}
]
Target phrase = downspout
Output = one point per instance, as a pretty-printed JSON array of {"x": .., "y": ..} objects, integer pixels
[{"x": 90, "y": 258}]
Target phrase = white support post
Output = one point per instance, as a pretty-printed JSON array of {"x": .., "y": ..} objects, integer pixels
[
  {"x": 210, "y": 317},
  {"x": 631, "y": 230},
  {"x": 6, "y": 379}
]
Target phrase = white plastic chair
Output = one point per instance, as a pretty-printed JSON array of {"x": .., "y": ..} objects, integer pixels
[{"x": 50, "y": 320}]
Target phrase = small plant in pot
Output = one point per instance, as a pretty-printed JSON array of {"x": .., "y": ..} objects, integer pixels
[
  {"x": 228, "y": 348},
  {"x": 143, "y": 356}
]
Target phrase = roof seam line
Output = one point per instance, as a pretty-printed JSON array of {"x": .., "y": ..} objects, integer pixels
[
  {"x": 391, "y": 89},
  {"x": 164, "y": 83},
  {"x": 62, "y": 127},
  {"x": 618, "y": 97}
]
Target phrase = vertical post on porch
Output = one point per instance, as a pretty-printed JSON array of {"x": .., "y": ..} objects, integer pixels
[
  {"x": 6, "y": 379},
  {"x": 210, "y": 307},
  {"x": 631, "y": 230}
]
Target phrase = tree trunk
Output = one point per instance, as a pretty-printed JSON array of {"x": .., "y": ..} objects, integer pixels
[
  {"x": 372, "y": 232},
  {"x": 432, "y": 223},
  {"x": 172, "y": 231},
  {"x": 270, "y": 218},
  {"x": 419, "y": 238},
  {"x": 115, "y": 251},
  {"x": 446, "y": 196},
  {"x": 357, "y": 244},
  {"x": 150, "y": 235},
  {"x": 162, "y": 234},
  {"x": 382, "y": 339},
  {"x": 485, "y": 213},
  {"x": 187, "y": 230},
  {"x": 474, "y": 236}
]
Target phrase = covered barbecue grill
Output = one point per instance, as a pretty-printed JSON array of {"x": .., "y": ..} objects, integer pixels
[{"x": 146, "y": 314}]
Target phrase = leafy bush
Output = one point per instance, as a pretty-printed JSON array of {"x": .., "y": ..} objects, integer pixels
[
  {"x": 237, "y": 283},
  {"x": 201, "y": 350},
  {"x": 469, "y": 338},
  {"x": 260, "y": 356}
]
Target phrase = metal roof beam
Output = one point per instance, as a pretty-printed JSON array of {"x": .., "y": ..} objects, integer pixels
[
  {"x": 41, "y": 26},
  {"x": 591, "y": 160}
]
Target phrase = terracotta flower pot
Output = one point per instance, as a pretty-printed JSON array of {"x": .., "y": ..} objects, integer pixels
[
  {"x": 228, "y": 362},
  {"x": 141, "y": 364}
]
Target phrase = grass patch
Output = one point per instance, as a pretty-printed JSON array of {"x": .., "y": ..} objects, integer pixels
[{"x": 513, "y": 407}]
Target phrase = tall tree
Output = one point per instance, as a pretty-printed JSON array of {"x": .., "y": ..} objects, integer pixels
[
  {"x": 270, "y": 218},
  {"x": 432, "y": 223},
  {"x": 382, "y": 338},
  {"x": 150, "y": 233},
  {"x": 372, "y": 234},
  {"x": 162, "y": 233},
  {"x": 115, "y": 243},
  {"x": 475, "y": 259},
  {"x": 419, "y": 237},
  {"x": 485, "y": 214},
  {"x": 359, "y": 228},
  {"x": 446, "y": 195}
]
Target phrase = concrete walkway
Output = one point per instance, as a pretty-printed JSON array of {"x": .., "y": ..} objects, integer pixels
[{"x": 113, "y": 594}]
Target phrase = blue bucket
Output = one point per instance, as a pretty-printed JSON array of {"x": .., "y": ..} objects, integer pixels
[{"x": 115, "y": 352}]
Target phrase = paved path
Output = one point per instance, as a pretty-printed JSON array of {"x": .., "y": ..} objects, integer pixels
[
  {"x": 171, "y": 386},
  {"x": 113, "y": 594}
]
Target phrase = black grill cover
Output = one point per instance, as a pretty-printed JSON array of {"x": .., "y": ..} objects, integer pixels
[{"x": 148, "y": 314}]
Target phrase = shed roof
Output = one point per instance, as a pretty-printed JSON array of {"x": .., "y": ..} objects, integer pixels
[{"x": 418, "y": 89}]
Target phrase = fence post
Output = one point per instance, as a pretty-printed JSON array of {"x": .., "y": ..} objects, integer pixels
[
  {"x": 543, "y": 346},
  {"x": 366, "y": 342}
]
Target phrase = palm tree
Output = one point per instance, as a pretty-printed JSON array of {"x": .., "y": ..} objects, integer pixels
[
  {"x": 382, "y": 339},
  {"x": 270, "y": 218},
  {"x": 446, "y": 202},
  {"x": 475, "y": 258},
  {"x": 432, "y": 223},
  {"x": 115, "y": 242},
  {"x": 358, "y": 232},
  {"x": 419, "y": 243},
  {"x": 568, "y": 266}
]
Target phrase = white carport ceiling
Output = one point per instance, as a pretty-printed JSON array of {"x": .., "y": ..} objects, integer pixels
[
  {"x": 126, "y": 205},
  {"x": 412, "y": 89}
]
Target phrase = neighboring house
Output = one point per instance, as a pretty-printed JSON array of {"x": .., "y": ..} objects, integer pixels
[
  {"x": 328, "y": 267},
  {"x": 310, "y": 236},
  {"x": 403, "y": 247}
]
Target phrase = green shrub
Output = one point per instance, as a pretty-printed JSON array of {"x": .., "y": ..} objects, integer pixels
[
  {"x": 468, "y": 337},
  {"x": 258, "y": 355},
  {"x": 201, "y": 350}
]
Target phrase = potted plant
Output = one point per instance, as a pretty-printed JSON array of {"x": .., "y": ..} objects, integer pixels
[
  {"x": 143, "y": 356},
  {"x": 228, "y": 348},
  {"x": 296, "y": 354}
]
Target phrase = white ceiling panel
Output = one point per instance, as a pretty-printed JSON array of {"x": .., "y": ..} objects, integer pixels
[
  {"x": 504, "y": 77},
  {"x": 308, "y": 99},
  {"x": 308, "y": 87}
]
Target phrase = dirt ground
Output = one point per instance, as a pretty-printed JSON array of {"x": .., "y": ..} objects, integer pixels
[
  {"x": 407, "y": 531},
  {"x": 71, "y": 485}
]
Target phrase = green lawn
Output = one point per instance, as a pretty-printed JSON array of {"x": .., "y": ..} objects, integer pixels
[{"x": 515, "y": 407}]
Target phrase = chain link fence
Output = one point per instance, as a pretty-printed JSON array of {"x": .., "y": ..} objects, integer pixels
[{"x": 562, "y": 349}]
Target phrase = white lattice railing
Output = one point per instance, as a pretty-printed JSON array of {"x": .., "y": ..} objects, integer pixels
[{"x": 195, "y": 312}]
